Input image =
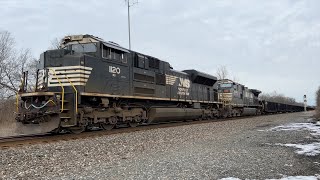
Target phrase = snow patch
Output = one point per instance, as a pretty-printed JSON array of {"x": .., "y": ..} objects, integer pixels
[
  {"x": 298, "y": 178},
  {"x": 284, "y": 178},
  {"x": 312, "y": 149},
  {"x": 313, "y": 128}
]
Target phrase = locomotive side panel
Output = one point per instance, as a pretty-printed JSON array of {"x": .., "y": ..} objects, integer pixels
[{"x": 107, "y": 77}]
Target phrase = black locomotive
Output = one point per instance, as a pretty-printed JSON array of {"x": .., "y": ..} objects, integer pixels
[
  {"x": 238, "y": 100},
  {"x": 93, "y": 83}
]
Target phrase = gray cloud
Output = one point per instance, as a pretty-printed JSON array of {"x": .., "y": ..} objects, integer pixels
[{"x": 269, "y": 45}]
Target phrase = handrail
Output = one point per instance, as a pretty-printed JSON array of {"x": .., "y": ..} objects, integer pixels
[
  {"x": 17, "y": 102},
  {"x": 76, "y": 91},
  {"x": 54, "y": 73}
]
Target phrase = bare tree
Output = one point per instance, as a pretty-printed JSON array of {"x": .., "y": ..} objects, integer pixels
[
  {"x": 55, "y": 44},
  {"x": 279, "y": 98},
  {"x": 6, "y": 53},
  {"x": 222, "y": 73},
  {"x": 235, "y": 79},
  {"x": 12, "y": 65}
]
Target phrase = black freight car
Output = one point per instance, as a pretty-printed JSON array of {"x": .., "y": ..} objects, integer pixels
[{"x": 274, "y": 107}]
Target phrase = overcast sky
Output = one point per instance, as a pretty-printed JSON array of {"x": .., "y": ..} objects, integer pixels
[{"x": 269, "y": 45}]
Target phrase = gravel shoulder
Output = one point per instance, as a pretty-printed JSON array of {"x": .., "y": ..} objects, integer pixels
[{"x": 237, "y": 148}]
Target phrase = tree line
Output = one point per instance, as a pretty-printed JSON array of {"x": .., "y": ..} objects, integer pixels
[{"x": 13, "y": 62}]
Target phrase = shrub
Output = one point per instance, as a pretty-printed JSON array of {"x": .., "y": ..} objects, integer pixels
[{"x": 318, "y": 104}]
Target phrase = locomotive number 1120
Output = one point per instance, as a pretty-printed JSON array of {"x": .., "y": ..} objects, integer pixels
[{"x": 114, "y": 70}]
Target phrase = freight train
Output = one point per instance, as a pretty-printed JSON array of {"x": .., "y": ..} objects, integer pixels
[{"x": 92, "y": 83}]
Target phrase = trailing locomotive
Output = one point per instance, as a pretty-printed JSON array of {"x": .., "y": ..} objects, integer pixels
[
  {"x": 90, "y": 83},
  {"x": 93, "y": 83},
  {"x": 238, "y": 100}
]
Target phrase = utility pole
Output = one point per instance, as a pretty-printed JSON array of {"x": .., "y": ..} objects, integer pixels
[{"x": 129, "y": 28}]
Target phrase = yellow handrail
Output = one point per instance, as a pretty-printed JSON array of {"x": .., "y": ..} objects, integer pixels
[
  {"x": 76, "y": 91},
  {"x": 17, "y": 102},
  {"x": 54, "y": 73}
]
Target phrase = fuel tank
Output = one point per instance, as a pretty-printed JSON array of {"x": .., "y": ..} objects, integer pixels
[
  {"x": 173, "y": 114},
  {"x": 249, "y": 111}
]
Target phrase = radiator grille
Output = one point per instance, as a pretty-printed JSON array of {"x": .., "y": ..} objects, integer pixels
[{"x": 142, "y": 77}]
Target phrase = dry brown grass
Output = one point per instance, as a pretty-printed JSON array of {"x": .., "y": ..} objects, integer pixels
[
  {"x": 7, "y": 121},
  {"x": 7, "y": 109}
]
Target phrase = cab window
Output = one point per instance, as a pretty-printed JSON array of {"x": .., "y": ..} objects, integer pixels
[
  {"x": 226, "y": 85},
  {"x": 84, "y": 48},
  {"x": 113, "y": 54}
]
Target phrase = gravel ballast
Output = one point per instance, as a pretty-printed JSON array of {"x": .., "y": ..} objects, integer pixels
[{"x": 236, "y": 148}]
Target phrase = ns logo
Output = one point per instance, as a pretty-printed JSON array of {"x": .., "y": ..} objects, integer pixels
[
  {"x": 184, "y": 83},
  {"x": 114, "y": 70}
]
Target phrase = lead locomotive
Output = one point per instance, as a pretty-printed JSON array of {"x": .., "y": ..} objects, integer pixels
[
  {"x": 93, "y": 83},
  {"x": 90, "y": 83}
]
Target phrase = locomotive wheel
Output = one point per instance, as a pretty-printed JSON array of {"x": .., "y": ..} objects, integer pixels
[
  {"x": 77, "y": 130},
  {"x": 225, "y": 114},
  {"x": 133, "y": 124},
  {"x": 112, "y": 121},
  {"x": 106, "y": 126},
  {"x": 135, "y": 121},
  {"x": 56, "y": 131}
]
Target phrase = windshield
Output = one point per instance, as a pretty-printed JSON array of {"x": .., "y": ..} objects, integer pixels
[
  {"x": 228, "y": 85},
  {"x": 90, "y": 47}
]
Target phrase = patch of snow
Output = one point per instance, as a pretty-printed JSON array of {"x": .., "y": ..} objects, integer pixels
[
  {"x": 284, "y": 178},
  {"x": 288, "y": 165},
  {"x": 312, "y": 149},
  {"x": 298, "y": 178},
  {"x": 313, "y": 128},
  {"x": 317, "y": 163}
]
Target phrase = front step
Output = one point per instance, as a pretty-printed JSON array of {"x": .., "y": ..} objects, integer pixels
[
  {"x": 68, "y": 114},
  {"x": 65, "y": 117}
]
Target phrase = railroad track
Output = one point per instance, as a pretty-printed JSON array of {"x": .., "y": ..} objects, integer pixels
[
  {"x": 11, "y": 141},
  {"x": 23, "y": 140},
  {"x": 19, "y": 141}
]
